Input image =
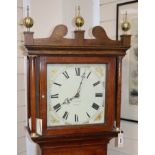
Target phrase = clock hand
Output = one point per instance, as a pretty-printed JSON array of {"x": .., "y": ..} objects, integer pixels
[
  {"x": 79, "y": 89},
  {"x": 77, "y": 95},
  {"x": 66, "y": 101}
]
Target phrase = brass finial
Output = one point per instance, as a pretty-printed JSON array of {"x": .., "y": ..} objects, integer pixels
[
  {"x": 125, "y": 25},
  {"x": 28, "y": 21},
  {"x": 79, "y": 21}
]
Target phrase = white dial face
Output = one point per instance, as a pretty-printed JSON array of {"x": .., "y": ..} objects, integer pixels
[{"x": 75, "y": 94}]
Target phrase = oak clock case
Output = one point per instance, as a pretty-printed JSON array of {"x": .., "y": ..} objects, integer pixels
[{"x": 74, "y": 91}]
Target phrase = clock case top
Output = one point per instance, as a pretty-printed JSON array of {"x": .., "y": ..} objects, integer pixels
[
  {"x": 58, "y": 44},
  {"x": 59, "y": 49}
]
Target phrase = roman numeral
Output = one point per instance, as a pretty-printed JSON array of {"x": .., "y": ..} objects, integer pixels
[
  {"x": 55, "y": 96},
  {"x": 96, "y": 83},
  {"x": 77, "y": 70},
  {"x": 66, "y": 75},
  {"x": 57, "y": 107},
  {"x": 95, "y": 106},
  {"x": 65, "y": 116},
  {"x": 88, "y": 115},
  {"x": 57, "y": 84},
  {"x": 98, "y": 95},
  {"x": 88, "y": 75},
  {"x": 76, "y": 118}
]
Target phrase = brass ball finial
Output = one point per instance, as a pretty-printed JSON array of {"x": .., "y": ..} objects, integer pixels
[
  {"x": 79, "y": 21},
  {"x": 125, "y": 26},
  {"x": 28, "y": 21}
]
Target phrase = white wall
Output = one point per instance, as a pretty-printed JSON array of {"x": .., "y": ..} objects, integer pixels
[
  {"x": 108, "y": 21},
  {"x": 46, "y": 14},
  {"x": 21, "y": 86},
  {"x": 60, "y": 12},
  {"x": 130, "y": 140}
]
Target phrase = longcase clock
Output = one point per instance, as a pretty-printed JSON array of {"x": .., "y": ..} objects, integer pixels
[{"x": 74, "y": 91}]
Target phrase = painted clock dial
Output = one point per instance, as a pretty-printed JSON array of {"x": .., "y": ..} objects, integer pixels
[{"x": 75, "y": 94}]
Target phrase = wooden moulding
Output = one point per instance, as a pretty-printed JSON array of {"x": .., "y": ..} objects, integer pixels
[
  {"x": 71, "y": 140},
  {"x": 75, "y": 145},
  {"x": 57, "y": 41}
]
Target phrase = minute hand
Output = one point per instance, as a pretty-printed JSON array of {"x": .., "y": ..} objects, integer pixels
[
  {"x": 78, "y": 91},
  {"x": 67, "y": 100}
]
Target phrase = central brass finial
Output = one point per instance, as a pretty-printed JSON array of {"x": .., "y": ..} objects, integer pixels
[{"x": 79, "y": 21}]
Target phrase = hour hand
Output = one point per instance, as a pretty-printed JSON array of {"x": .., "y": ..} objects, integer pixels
[
  {"x": 77, "y": 95},
  {"x": 66, "y": 101}
]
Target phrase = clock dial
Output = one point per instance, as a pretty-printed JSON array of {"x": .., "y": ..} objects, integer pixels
[{"x": 75, "y": 94}]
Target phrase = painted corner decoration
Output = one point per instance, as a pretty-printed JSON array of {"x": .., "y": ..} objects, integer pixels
[{"x": 129, "y": 10}]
